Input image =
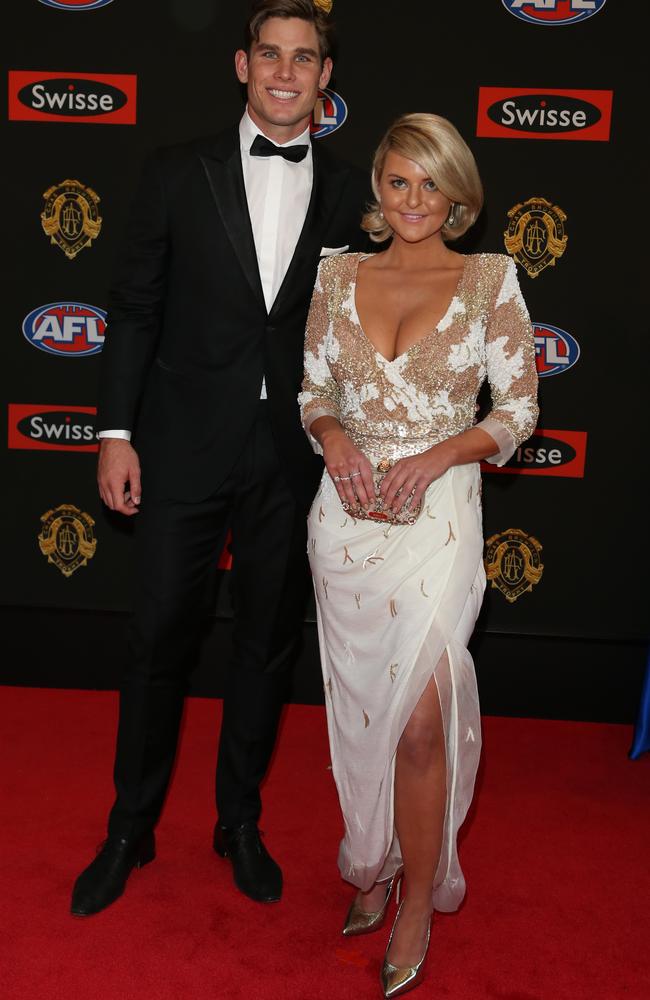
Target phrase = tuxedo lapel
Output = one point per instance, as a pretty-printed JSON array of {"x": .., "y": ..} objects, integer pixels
[
  {"x": 326, "y": 187},
  {"x": 223, "y": 169}
]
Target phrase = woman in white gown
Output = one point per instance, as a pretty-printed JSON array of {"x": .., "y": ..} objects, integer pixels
[{"x": 398, "y": 344}]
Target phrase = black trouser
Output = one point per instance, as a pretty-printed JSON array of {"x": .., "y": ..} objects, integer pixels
[{"x": 177, "y": 548}]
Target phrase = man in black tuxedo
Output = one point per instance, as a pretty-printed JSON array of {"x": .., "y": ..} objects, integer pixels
[{"x": 203, "y": 362}]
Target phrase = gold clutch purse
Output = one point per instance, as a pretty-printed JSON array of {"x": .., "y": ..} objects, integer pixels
[{"x": 377, "y": 512}]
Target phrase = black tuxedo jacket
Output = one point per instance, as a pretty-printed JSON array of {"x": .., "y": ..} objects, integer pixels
[{"x": 189, "y": 337}]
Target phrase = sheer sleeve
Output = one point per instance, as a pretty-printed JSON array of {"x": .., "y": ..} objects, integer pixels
[
  {"x": 320, "y": 394},
  {"x": 511, "y": 369}
]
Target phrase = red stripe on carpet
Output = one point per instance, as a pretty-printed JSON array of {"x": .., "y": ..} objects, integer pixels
[{"x": 555, "y": 854}]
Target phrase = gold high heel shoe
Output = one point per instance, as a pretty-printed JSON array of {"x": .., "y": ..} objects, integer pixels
[
  {"x": 359, "y": 921},
  {"x": 396, "y": 980}
]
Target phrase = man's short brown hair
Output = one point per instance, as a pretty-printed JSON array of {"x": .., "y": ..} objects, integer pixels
[{"x": 305, "y": 10}]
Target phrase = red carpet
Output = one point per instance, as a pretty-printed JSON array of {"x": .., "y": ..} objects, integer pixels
[{"x": 556, "y": 855}]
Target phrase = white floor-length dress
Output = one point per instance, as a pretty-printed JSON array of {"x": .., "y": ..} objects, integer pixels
[{"x": 393, "y": 599}]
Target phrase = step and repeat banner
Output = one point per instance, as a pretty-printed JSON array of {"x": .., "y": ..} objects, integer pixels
[{"x": 549, "y": 95}]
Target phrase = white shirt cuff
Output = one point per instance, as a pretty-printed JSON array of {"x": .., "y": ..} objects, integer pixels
[{"x": 124, "y": 435}]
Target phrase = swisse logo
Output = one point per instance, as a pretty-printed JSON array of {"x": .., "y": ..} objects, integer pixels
[
  {"x": 52, "y": 428},
  {"x": 553, "y": 12},
  {"x": 76, "y": 4},
  {"x": 526, "y": 113},
  {"x": 72, "y": 97},
  {"x": 548, "y": 453},
  {"x": 330, "y": 111},
  {"x": 72, "y": 329},
  {"x": 555, "y": 350}
]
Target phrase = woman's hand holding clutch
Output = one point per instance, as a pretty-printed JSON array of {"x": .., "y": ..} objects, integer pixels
[
  {"x": 349, "y": 468},
  {"x": 409, "y": 478}
]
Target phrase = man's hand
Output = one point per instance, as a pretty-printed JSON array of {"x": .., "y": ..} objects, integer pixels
[{"x": 118, "y": 475}]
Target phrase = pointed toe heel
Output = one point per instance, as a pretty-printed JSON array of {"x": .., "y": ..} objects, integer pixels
[
  {"x": 359, "y": 921},
  {"x": 396, "y": 980}
]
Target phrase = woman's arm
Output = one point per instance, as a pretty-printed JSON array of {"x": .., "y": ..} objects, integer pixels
[
  {"x": 412, "y": 476},
  {"x": 511, "y": 369},
  {"x": 320, "y": 394},
  {"x": 320, "y": 399},
  {"x": 349, "y": 468}
]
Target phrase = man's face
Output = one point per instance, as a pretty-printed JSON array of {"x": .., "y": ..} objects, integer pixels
[{"x": 283, "y": 75}]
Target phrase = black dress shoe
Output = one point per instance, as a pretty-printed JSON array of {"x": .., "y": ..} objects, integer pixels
[
  {"x": 103, "y": 881},
  {"x": 255, "y": 872}
]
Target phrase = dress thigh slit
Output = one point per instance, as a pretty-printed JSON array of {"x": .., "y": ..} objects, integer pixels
[{"x": 389, "y": 607}]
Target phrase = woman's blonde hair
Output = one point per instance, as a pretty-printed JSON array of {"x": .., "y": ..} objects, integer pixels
[{"x": 436, "y": 146}]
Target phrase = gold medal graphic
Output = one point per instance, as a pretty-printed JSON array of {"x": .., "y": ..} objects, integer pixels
[
  {"x": 67, "y": 538},
  {"x": 71, "y": 218},
  {"x": 535, "y": 236},
  {"x": 512, "y": 562}
]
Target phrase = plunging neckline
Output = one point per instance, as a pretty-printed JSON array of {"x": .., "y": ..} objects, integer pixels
[{"x": 425, "y": 336}]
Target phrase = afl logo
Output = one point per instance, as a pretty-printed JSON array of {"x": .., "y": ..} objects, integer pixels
[
  {"x": 76, "y": 4},
  {"x": 553, "y": 12},
  {"x": 72, "y": 329},
  {"x": 555, "y": 350},
  {"x": 329, "y": 113}
]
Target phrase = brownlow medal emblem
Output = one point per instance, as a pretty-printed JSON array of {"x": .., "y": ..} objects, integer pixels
[
  {"x": 535, "y": 236},
  {"x": 512, "y": 562},
  {"x": 67, "y": 538},
  {"x": 71, "y": 218}
]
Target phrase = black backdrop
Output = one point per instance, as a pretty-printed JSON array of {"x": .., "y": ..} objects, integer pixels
[{"x": 573, "y": 644}]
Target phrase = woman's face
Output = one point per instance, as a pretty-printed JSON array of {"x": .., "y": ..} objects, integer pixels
[{"x": 413, "y": 206}]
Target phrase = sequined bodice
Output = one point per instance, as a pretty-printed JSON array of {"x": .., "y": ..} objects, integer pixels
[{"x": 428, "y": 393}]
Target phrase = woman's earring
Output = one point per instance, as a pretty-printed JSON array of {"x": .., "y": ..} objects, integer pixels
[
  {"x": 451, "y": 218},
  {"x": 381, "y": 214}
]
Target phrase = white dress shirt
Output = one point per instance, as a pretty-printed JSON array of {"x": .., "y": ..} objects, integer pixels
[{"x": 277, "y": 193}]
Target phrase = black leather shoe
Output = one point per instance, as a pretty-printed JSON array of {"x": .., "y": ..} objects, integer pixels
[
  {"x": 255, "y": 872},
  {"x": 103, "y": 881}
]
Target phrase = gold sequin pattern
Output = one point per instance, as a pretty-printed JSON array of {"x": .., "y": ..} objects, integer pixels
[{"x": 391, "y": 409}]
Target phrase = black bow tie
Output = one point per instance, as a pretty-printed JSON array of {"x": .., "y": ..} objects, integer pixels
[{"x": 262, "y": 147}]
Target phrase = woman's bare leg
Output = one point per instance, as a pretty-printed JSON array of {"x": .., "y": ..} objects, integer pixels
[{"x": 420, "y": 802}]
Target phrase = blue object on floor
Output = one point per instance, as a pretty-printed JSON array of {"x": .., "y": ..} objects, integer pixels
[{"x": 641, "y": 741}]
